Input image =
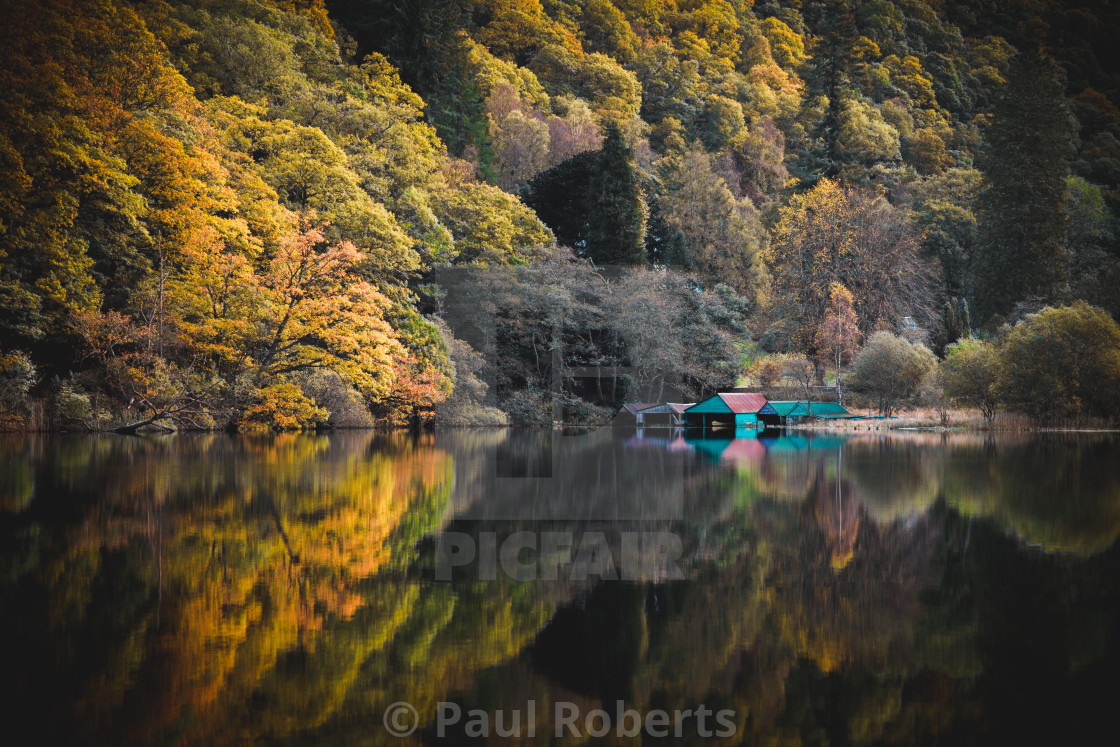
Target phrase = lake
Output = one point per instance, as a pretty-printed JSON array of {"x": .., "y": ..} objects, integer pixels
[{"x": 616, "y": 586}]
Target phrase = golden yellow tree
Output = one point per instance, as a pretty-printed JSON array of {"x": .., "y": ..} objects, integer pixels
[
  {"x": 836, "y": 234},
  {"x": 320, "y": 315}
]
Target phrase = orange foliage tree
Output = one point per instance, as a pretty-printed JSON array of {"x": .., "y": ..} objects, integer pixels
[{"x": 838, "y": 336}]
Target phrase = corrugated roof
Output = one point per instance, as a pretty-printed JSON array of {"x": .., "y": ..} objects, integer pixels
[
  {"x": 786, "y": 409},
  {"x": 739, "y": 403},
  {"x": 829, "y": 410},
  {"x": 667, "y": 408},
  {"x": 635, "y": 407},
  {"x": 742, "y": 402}
]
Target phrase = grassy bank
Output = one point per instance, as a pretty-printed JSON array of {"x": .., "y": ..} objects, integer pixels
[{"x": 956, "y": 419}]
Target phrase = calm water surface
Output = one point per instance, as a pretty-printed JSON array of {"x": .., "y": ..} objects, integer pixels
[{"x": 904, "y": 589}]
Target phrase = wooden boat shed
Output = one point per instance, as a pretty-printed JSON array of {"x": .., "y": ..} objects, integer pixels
[
  {"x": 632, "y": 414},
  {"x": 789, "y": 412},
  {"x": 795, "y": 412},
  {"x": 667, "y": 415},
  {"x": 826, "y": 411},
  {"x": 731, "y": 410}
]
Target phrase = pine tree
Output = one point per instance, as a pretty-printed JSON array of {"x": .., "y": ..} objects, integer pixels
[
  {"x": 560, "y": 196},
  {"x": 1022, "y": 253},
  {"x": 955, "y": 324},
  {"x": 615, "y": 224},
  {"x": 829, "y": 76}
]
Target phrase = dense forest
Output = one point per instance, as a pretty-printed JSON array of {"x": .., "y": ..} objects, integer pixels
[{"x": 298, "y": 213}]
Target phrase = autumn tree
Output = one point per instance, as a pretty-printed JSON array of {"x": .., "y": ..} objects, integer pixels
[
  {"x": 803, "y": 373},
  {"x": 489, "y": 227},
  {"x": 321, "y": 315},
  {"x": 834, "y": 234},
  {"x": 768, "y": 370},
  {"x": 468, "y": 403},
  {"x": 159, "y": 391},
  {"x": 605, "y": 30},
  {"x": 723, "y": 236},
  {"x": 516, "y": 29},
  {"x": 17, "y": 376},
  {"x": 521, "y": 138},
  {"x": 838, "y": 336}
]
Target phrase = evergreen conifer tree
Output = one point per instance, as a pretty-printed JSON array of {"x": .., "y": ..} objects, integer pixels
[
  {"x": 828, "y": 75},
  {"x": 1022, "y": 253},
  {"x": 615, "y": 222}
]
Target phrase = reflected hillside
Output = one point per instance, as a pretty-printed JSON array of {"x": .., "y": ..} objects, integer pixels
[
  {"x": 850, "y": 597},
  {"x": 896, "y": 589},
  {"x": 215, "y": 572}
]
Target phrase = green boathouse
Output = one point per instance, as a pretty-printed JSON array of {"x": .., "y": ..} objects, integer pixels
[{"x": 731, "y": 410}]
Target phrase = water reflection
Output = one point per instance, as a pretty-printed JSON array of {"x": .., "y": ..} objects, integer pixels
[{"x": 888, "y": 589}]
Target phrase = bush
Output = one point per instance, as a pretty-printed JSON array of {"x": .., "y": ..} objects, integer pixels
[
  {"x": 768, "y": 371},
  {"x": 1062, "y": 362},
  {"x": 467, "y": 404},
  {"x": 72, "y": 407},
  {"x": 776, "y": 340},
  {"x": 891, "y": 370},
  {"x": 529, "y": 407},
  {"x": 969, "y": 375}
]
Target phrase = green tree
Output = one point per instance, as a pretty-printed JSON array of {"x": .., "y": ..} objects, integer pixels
[
  {"x": 1094, "y": 264},
  {"x": 1022, "y": 254},
  {"x": 615, "y": 218},
  {"x": 969, "y": 374},
  {"x": 956, "y": 323},
  {"x": 560, "y": 196},
  {"x": 945, "y": 208},
  {"x": 1062, "y": 362}
]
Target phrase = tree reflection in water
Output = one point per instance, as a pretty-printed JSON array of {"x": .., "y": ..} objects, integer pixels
[{"x": 889, "y": 589}]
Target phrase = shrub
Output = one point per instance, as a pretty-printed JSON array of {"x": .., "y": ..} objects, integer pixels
[
  {"x": 1062, "y": 362},
  {"x": 891, "y": 370},
  {"x": 969, "y": 375}
]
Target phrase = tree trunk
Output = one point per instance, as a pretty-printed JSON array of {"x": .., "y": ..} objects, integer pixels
[{"x": 133, "y": 427}]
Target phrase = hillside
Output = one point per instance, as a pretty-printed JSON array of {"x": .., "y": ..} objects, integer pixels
[{"x": 254, "y": 214}]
